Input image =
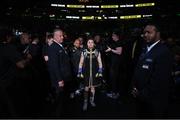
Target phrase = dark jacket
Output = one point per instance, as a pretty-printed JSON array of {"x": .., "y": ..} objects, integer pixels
[
  {"x": 152, "y": 75},
  {"x": 75, "y": 55},
  {"x": 58, "y": 64},
  {"x": 9, "y": 56}
]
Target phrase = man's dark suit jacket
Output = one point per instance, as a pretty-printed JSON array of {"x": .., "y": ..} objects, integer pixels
[
  {"x": 58, "y": 64},
  {"x": 152, "y": 75}
]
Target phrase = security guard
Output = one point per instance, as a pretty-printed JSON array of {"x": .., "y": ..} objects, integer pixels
[
  {"x": 152, "y": 75},
  {"x": 59, "y": 68}
]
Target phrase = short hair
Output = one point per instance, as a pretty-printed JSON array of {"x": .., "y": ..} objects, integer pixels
[
  {"x": 76, "y": 40},
  {"x": 96, "y": 35},
  {"x": 90, "y": 38},
  {"x": 156, "y": 25},
  {"x": 117, "y": 32},
  {"x": 50, "y": 36},
  {"x": 57, "y": 29}
]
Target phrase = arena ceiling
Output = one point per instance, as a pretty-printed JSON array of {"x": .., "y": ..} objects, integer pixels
[{"x": 44, "y": 9}]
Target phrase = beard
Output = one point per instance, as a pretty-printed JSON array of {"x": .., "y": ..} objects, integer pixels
[
  {"x": 152, "y": 40},
  {"x": 150, "y": 43}
]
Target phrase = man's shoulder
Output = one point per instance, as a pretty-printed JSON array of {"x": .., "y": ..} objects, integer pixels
[
  {"x": 161, "y": 47},
  {"x": 163, "y": 50},
  {"x": 52, "y": 48},
  {"x": 54, "y": 45}
]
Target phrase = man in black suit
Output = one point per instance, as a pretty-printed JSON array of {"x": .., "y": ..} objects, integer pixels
[
  {"x": 59, "y": 69},
  {"x": 152, "y": 76}
]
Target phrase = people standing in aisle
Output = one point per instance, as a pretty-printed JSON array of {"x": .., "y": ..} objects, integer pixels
[
  {"x": 59, "y": 68},
  {"x": 81, "y": 42},
  {"x": 116, "y": 64},
  {"x": 132, "y": 50},
  {"x": 47, "y": 81},
  {"x": 49, "y": 41},
  {"x": 75, "y": 54},
  {"x": 90, "y": 69},
  {"x": 152, "y": 76},
  {"x": 11, "y": 62}
]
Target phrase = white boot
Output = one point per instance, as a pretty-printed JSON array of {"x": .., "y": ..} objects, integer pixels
[
  {"x": 85, "y": 105},
  {"x": 92, "y": 102}
]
